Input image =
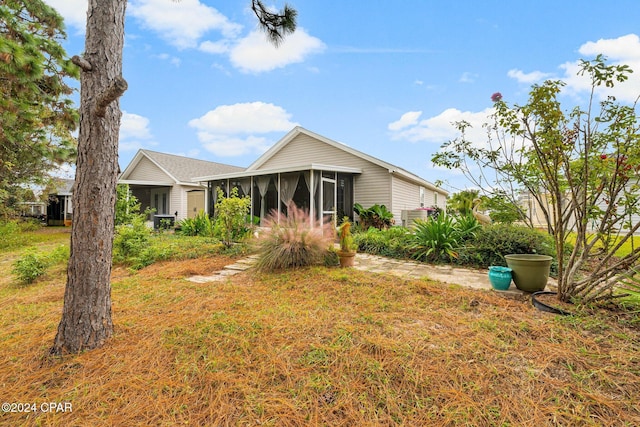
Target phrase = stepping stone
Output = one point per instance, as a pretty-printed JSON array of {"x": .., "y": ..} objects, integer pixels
[{"x": 205, "y": 279}]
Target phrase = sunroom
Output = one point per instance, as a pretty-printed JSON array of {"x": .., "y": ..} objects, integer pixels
[{"x": 325, "y": 191}]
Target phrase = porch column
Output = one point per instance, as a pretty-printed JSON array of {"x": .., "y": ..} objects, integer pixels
[
  {"x": 279, "y": 202},
  {"x": 311, "y": 187}
]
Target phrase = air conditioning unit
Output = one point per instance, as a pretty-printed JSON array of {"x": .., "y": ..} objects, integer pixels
[{"x": 409, "y": 216}]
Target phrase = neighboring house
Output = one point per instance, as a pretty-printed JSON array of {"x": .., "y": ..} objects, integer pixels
[
  {"x": 163, "y": 182},
  {"x": 535, "y": 212},
  {"x": 326, "y": 178},
  {"x": 59, "y": 207}
]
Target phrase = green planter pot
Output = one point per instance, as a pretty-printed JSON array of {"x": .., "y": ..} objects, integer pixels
[{"x": 530, "y": 272}]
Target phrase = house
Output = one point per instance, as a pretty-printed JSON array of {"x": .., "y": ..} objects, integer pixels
[
  {"x": 59, "y": 207},
  {"x": 163, "y": 182},
  {"x": 325, "y": 177},
  {"x": 619, "y": 222}
]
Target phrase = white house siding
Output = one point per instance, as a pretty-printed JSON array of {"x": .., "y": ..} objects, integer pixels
[
  {"x": 405, "y": 196},
  {"x": 178, "y": 203},
  {"x": 147, "y": 171},
  {"x": 373, "y": 186},
  {"x": 180, "y": 200}
]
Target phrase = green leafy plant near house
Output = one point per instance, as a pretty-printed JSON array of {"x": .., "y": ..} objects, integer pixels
[
  {"x": 393, "y": 242},
  {"x": 200, "y": 225},
  {"x": 127, "y": 205},
  {"x": 346, "y": 238},
  {"x": 131, "y": 240},
  {"x": 377, "y": 216},
  {"x": 436, "y": 239},
  {"x": 468, "y": 226},
  {"x": 231, "y": 217}
]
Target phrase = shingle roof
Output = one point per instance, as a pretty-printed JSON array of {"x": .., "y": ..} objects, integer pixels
[{"x": 183, "y": 169}]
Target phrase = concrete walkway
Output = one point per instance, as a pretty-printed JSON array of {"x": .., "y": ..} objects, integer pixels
[{"x": 470, "y": 278}]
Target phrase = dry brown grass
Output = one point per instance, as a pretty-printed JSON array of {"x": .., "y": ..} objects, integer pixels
[{"x": 316, "y": 346}]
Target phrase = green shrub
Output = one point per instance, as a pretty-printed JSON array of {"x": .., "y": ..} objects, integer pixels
[
  {"x": 436, "y": 239},
  {"x": 494, "y": 241},
  {"x": 33, "y": 265},
  {"x": 292, "y": 242},
  {"x": 10, "y": 232},
  {"x": 59, "y": 255},
  {"x": 29, "y": 224},
  {"x": 393, "y": 242},
  {"x": 131, "y": 240},
  {"x": 127, "y": 205},
  {"x": 231, "y": 217},
  {"x": 468, "y": 226},
  {"x": 30, "y": 266},
  {"x": 200, "y": 225},
  {"x": 377, "y": 216}
]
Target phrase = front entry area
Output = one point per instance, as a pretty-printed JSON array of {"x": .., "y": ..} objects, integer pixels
[{"x": 195, "y": 203}]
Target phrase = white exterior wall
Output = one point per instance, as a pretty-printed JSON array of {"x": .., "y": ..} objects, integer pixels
[
  {"x": 178, "y": 202},
  {"x": 147, "y": 171},
  {"x": 405, "y": 196},
  {"x": 373, "y": 186}
]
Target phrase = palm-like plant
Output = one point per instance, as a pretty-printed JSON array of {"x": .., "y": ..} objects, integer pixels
[
  {"x": 377, "y": 216},
  {"x": 436, "y": 238},
  {"x": 467, "y": 225}
]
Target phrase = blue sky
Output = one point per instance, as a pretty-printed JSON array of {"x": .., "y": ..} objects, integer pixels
[{"x": 386, "y": 78}]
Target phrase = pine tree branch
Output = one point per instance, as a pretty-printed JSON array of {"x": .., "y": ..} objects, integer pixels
[
  {"x": 82, "y": 63},
  {"x": 113, "y": 92},
  {"x": 276, "y": 25}
]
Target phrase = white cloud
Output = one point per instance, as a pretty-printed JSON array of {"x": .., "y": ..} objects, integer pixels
[
  {"x": 440, "y": 128},
  {"x": 182, "y": 23},
  {"x": 134, "y": 132},
  {"x": 74, "y": 12},
  {"x": 622, "y": 50},
  {"x": 219, "y": 129},
  {"x": 173, "y": 60},
  {"x": 625, "y": 48},
  {"x": 528, "y": 78},
  {"x": 252, "y": 117},
  {"x": 407, "y": 119},
  {"x": 229, "y": 146},
  {"x": 254, "y": 53},
  {"x": 221, "y": 46},
  {"x": 468, "y": 77},
  {"x": 134, "y": 126}
]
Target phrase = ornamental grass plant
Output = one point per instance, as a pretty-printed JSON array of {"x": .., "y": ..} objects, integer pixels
[{"x": 293, "y": 240}]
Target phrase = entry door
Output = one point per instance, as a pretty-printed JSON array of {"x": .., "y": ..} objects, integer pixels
[
  {"x": 195, "y": 203},
  {"x": 328, "y": 198},
  {"x": 160, "y": 201}
]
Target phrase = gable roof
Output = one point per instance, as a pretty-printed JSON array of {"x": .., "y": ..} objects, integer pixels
[
  {"x": 179, "y": 169},
  {"x": 396, "y": 170},
  {"x": 63, "y": 186}
]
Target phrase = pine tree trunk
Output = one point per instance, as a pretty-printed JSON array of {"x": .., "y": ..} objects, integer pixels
[{"x": 86, "y": 318}]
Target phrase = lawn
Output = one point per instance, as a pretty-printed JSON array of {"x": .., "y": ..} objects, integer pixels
[{"x": 315, "y": 346}]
